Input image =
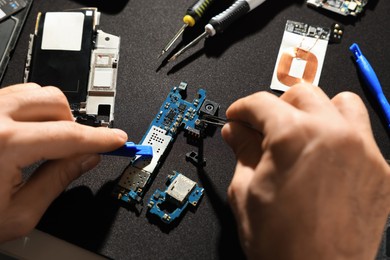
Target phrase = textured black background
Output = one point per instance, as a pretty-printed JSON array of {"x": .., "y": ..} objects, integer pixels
[{"x": 229, "y": 66}]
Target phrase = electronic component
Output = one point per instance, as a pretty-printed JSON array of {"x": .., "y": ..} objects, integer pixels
[
  {"x": 194, "y": 158},
  {"x": 209, "y": 108},
  {"x": 336, "y": 33},
  {"x": 68, "y": 51},
  {"x": 9, "y": 7},
  {"x": 343, "y": 7},
  {"x": 169, "y": 204},
  {"x": 10, "y": 29},
  {"x": 174, "y": 115},
  {"x": 301, "y": 55}
]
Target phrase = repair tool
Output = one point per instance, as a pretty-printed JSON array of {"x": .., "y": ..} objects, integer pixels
[
  {"x": 193, "y": 14},
  {"x": 371, "y": 80},
  {"x": 219, "y": 121},
  {"x": 220, "y": 22},
  {"x": 129, "y": 149},
  {"x": 215, "y": 120}
]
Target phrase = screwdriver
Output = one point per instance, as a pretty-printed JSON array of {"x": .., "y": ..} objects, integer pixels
[
  {"x": 220, "y": 22},
  {"x": 193, "y": 14}
]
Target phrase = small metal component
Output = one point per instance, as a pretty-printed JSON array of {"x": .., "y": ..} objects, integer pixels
[
  {"x": 193, "y": 132},
  {"x": 214, "y": 120},
  {"x": 336, "y": 33},
  {"x": 180, "y": 188},
  {"x": 219, "y": 121},
  {"x": 134, "y": 178}
]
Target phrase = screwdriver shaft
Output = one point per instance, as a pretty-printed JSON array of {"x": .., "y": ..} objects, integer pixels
[
  {"x": 191, "y": 44},
  {"x": 219, "y": 121},
  {"x": 173, "y": 40},
  {"x": 194, "y": 13}
]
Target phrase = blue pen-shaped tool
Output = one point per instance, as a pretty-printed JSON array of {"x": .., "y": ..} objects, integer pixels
[
  {"x": 129, "y": 149},
  {"x": 371, "y": 80}
]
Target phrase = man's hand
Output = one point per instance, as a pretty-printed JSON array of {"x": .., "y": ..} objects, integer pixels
[
  {"x": 37, "y": 124},
  {"x": 310, "y": 183}
]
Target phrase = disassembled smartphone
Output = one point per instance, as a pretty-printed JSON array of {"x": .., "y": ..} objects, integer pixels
[
  {"x": 67, "y": 50},
  {"x": 175, "y": 114},
  {"x": 301, "y": 55},
  {"x": 343, "y": 7},
  {"x": 169, "y": 205}
]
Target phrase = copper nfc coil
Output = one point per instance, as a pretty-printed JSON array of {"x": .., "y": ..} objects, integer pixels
[{"x": 286, "y": 61}]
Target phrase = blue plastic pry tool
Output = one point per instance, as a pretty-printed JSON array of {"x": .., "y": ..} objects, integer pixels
[
  {"x": 129, "y": 149},
  {"x": 371, "y": 81}
]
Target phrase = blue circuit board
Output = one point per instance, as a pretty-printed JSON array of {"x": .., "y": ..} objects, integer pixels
[
  {"x": 170, "y": 204},
  {"x": 174, "y": 115},
  {"x": 177, "y": 113},
  {"x": 343, "y": 7}
]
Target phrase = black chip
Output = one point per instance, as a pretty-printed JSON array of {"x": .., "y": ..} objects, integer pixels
[
  {"x": 182, "y": 107},
  {"x": 171, "y": 114},
  {"x": 192, "y": 132}
]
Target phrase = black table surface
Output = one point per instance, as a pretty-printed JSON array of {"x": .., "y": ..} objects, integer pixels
[{"x": 234, "y": 64}]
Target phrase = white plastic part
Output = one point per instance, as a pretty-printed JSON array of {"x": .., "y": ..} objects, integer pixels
[
  {"x": 210, "y": 30},
  {"x": 103, "y": 75}
]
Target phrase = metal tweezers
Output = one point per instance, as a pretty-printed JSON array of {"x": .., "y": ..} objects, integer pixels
[
  {"x": 214, "y": 120},
  {"x": 219, "y": 121}
]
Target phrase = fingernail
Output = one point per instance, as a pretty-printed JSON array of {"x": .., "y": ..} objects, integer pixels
[
  {"x": 120, "y": 133},
  {"x": 89, "y": 161}
]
